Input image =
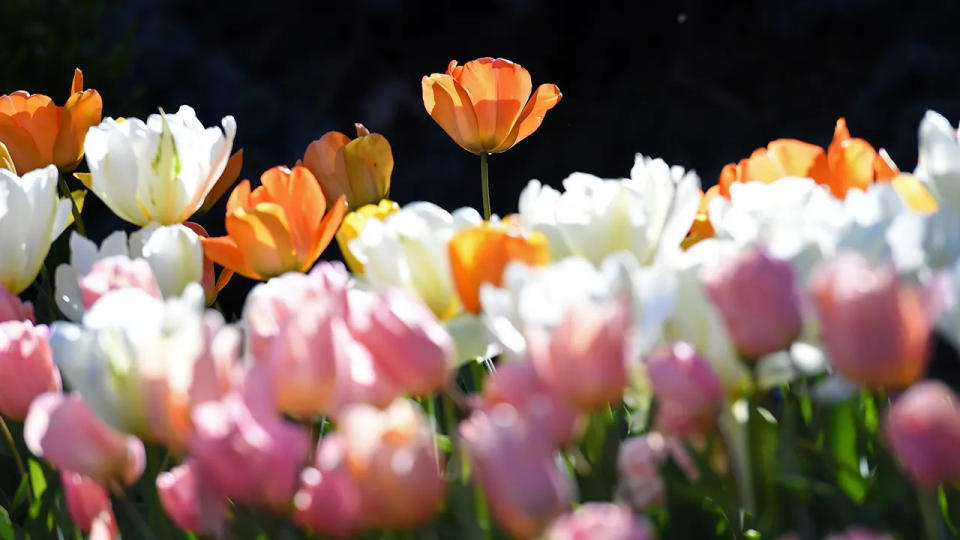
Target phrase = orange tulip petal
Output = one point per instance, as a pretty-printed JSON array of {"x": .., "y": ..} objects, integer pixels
[
  {"x": 20, "y": 144},
  {"x": 262, "y": 234},
  {"x": 224, "y": 251},
  {"x": 227, "y": 178},
  {"x": 761, "y": 166},
  {"x": 324, "y": 158},
  {"x": 545, "y": 98},
  {"x": 499, "y": 90},
  {"x": 729, "y": 174},
  {"x": 327, "y": 230},
  {"x": 81, "y": 112},
  {"x": 77, "y": 84},
  {"x": 851, "y": 165},
  {"x": 797, "y": 158},
  {"x": 301, "y": 198},
  {"x": 914, "y": 194},
  {"x": 840, "y": 131},
  {"x": 239, "y": 197},
  {"x": 369, "y": 161},
  {"x": 450, "y": 106},
  {"x": 883, "y": 166}
]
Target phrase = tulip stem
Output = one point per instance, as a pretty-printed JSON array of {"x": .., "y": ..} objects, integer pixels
[
  {"x": 65, "y": 191},
  {"x": 485, "y": 185},
  {"x": 16, "y": 455},
  {"x": 930, "y": 510}
]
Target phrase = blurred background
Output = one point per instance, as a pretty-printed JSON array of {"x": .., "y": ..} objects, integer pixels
[{"x": 699, "y": 84}]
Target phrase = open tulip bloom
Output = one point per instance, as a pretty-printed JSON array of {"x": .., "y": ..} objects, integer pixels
[{"x": 621, "y": 358}]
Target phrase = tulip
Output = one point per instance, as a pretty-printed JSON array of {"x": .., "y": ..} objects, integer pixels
[
  {"x": 701, "y": 229},
  {"x": 479, "y": 255},
  {"x": 26, "y": 367},
  {"x": 859, "y": 533},
  {"x": 31, "y": 218},
  {"x": 647, "y": 214},
  {"x": 83, "y": 255},
  {"x": 173, "y": 252},
  {"x": 876, "y": 330},
  {"x": 358, "y": 169},
  {"x": 88, "y": 503},
  {"x": 757, "y": 298},
  {"x": 939, "y": 158},
  {"x": 689, "y": 394},
  {"x": 597, "y": 520},
  {"x": 212, "y": 285},
  {"x": 354, "y": 222},
  {"x": 160, "y": 170},
  {"x": 483, "y": 105},
  {"x": 638, "y": 468},
  {"x": 117, "y": 272},
  {"x": 184, "y": 501},
  {"x": 518, "y": 385},
  {"x": 37, "y": 133},
  {"x": 923, "y": 430},
  {"x": 61, "y": 429},
  {"x": 14, "y": 309},
  {"x": 276, "y": 228},
  {"x": 329, "y": 500},
  {"x": 6, "y": 160},
  {"x": 515, "y": 465},
  {"x": 584, "y": 360},
  {"x": 245, "y": 454},
  {"x": 391, "y": 454}
]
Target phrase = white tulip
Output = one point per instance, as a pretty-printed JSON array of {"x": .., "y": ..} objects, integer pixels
[
  {"x": 173, "y": 252},
  {"x": 939, "y": 158},
  {"x": 160, "y": 170},
  {"x": 31, "y": 217},
  {"x": 648, "y": 214}
]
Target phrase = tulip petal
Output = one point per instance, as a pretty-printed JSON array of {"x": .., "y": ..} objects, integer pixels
[
  {"x": 77, "y": 83},
  {"x": 798, "y": 158},
  {"x": 19, "y": 144},
  {"x": 883, "y": 166},
  {"x": 230, "y": 174},
  {"x": 326, "y": 231},
  {"x": 224, "y": 251},
  {"x": 6, "y": 160},
  {"x": 545, "y": 98},
  {"x": 301, "y": 198},
  {"x": 263, "y": 234},
  {"x": 324, "y": 157},
  {"x": 450, "y": 106},
  {"x": 82, "y": 111},
  {"x": 239, "y": 197},
  {"x": 499, "y": 89},
  {"x": 369, "y": 162},
  {"x": 914, "y": 194}
]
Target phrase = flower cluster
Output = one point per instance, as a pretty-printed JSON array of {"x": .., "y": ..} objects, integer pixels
[{"x": 624, "y": 358}]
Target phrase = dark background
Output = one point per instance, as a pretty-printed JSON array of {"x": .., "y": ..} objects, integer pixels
[{"x": 699, "y": 84}]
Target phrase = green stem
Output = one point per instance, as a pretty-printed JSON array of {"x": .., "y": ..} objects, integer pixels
[
  {"x": 930, "y": 510},
  {"x": 485, "y": 185},
  {"x": 65, "y": 191},
  {"x": 16, "y": 455}
]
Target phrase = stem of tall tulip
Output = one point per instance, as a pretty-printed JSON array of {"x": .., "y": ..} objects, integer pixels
[
  {"x": 485, "y": 185},
  {"x": 930, "y": 510},
  {"x": 65, "y": 191},
  {"x": 16, "y": 454}
]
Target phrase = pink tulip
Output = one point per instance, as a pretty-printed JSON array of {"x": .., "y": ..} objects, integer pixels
[
  {"x": 757, "y": 298},
  {"x": 515, "y": 466},
  {"x": 689, "y": 394},
  {"x": 517, "y": 384},
  {"x": 584, "y": 360},
  {"x": 61, "y": 429},
  {"x": 859, "y": 533},
  {"x": 88, "y": 504},
  {"x": 392, "y": 454},
  {"x": 186, "y": 502},
  {"x": 117, "y": 272},
  {"x": 410, "y": 346},
  {"x": 14, "y": 309},
  {"x": 638, "y": 467},
  {"x": 245, "y": 454},
  {"x": 875, "y": 329},
  {"x": 923, "y": 429},
  {"x": 600, "y": 521},
  {"x": 329, "y": 500},
  {"x": 26, "y": 367}
]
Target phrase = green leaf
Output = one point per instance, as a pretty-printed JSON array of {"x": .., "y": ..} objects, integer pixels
[
  {"x": 843, "y": 445},
  {"x": 6, "y": 526},
  {"x": 37, "y": 479}
]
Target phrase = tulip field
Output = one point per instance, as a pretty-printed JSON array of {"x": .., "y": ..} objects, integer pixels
[{"x": 771, "y": 354}]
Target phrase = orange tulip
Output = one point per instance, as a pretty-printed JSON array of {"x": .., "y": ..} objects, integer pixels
[
  {"x": 278, "y": 227},
  {"x": 479, "y": 255},
  {"x": 847, "y": 163},
  {"x": 483, "y": 105},
  {"x": 701, "y": 228},
  {"x": 38, "y": 133},
  {"x": 358, "y": 168}
]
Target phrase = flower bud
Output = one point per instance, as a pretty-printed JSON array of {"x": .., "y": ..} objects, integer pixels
[
  {"x": 329, "y": 499},
  {"x": 88, "y": 503},
  {"x": 180, "y": 495},
  {"x": 117, "y": 272},
  {"x": 638, "y": 467},
  {"x": 600, "y": 521},
  {"x": 14, "y": 309},
  {"x": 689, "y": 394},
  {"x": 923, "y": 429},
  {"x": 358, "y": 169},
  {"x": 174, "y": 254},
  {"x": 756, "y": 297},
  {"x": 26, "y": 367}
]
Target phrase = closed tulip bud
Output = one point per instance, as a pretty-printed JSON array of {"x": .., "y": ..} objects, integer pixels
[
  {"x": 923, "y": 429},
  {"x": 756, "y": 296},
  {"x": 391, "y": 454},
  {"x": 600, "y": 521},
  {"x": 358, "y": 169},
  {"x": 329, "y": 500},
  {"x": 117, "y": 272},
  {"x": 518, "y": 385},
  {"x": 875, "y": 329},
  {"x": 184, "y": 501},
  {"x": 584, "y": 359},
  {"x": 638, "y": 468},
  {"x": 14, "y": 309},
  {"x": 245, "y": 454},
  {"x": 88, "y": 503},
  {"x": 173, "y": 252},
  {"x": 689, "y": 394},
  {"x": 26, "y": 367},
  {"x": 61, "y": 429},
  {"x": 515, "y": 465}
]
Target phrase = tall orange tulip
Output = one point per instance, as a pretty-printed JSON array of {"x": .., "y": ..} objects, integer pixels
[
  {"x": 38, "y": 133},
  {"x": 485, "y": 105},
  {"x": 278, "y": 227},
  {"x": 479, "y": 255}
]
